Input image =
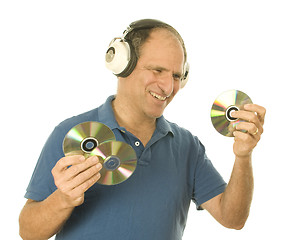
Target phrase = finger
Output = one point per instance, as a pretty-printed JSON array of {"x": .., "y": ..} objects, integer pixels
[
  {"x": 85, "y": 175},
  {"x": 79, "y": 190},
  {"x": 76, "y": 169},
  {"x": 76, "y": 195},
  {"x": 248, "y": 117},
  {"x": 88, "y": 183},
  {"x": 261, "y": 111},
  {"x": 245, "y": 115},
  {"x": 65, "y": 162},
  {"x": 241, "y": 136},
  {"x": 63, "y": 177},
  {"x": 246, "y": 138},
  {"x": 248, "y": 127},
  {"x": 244, "y": 143}
]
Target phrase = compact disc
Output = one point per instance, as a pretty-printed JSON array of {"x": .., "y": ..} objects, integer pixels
[
  {"x": 85, "y": 137},
  {"x": 223, "y": 106},
  {"x": 118, "y": 159}
]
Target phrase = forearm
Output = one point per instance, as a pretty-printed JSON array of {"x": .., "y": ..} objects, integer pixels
[
  {"x": 232, "y": 207},
  {"x": 237, "y": 198},
  {"x": 41, "y": 220}
]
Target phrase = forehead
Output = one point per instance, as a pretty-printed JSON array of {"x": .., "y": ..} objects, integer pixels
[{"x": 162, "y": 45}]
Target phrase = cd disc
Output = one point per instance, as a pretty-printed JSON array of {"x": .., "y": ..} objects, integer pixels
[
  {"x": 118, "y": 160},
  {"x": 85, "y": 137},
  {"x": 223, "y": 106}
]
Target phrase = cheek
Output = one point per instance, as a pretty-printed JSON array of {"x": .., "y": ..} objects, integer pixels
[
  {"x": 140, "y": 82},
  {"x": 176, "y": 87},
  {"x": 148, "y": 78},
  {"x": 175, "y": 91}
]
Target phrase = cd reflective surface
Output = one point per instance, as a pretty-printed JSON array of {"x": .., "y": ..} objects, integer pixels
[
  {"x": 223, "y": 106},
  {"x": 86, "y": 136},
  {"x": 118, "y": 159}
]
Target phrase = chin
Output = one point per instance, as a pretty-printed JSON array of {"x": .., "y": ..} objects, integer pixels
[
  {"x": 156, "y": 109},
  {"x": 154, "y": 114}
]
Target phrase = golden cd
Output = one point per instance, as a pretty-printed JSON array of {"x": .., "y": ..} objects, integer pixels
[
  {"x": 118, "y": 159},
  {"x": 85, "y": 137},
  {"x": 223, "y": 106}
]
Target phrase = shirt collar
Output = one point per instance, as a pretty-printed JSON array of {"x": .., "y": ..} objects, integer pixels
[
  {"x": 106, "y": 116},
  {"x": 164, "y": 126}
]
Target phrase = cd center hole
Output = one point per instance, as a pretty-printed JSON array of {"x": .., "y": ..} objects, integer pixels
[
  {"x": 89, "y": 145},
  {"x": 229, "y": 112},
  {"x": 112, "y": 163}
]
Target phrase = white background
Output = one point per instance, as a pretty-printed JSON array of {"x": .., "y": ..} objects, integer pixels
[{"x": 52, "y": 67}]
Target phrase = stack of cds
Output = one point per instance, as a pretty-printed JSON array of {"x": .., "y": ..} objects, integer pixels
[{"x": 96, "y": 139}]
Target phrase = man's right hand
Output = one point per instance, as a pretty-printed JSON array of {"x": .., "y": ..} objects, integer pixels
[{"x": 73, "y": 176}]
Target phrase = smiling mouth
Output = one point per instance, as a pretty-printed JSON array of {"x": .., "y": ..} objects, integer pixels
[{"x": 157, "y": 96}]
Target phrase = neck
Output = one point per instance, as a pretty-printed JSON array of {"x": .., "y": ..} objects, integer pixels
[{"x": 133, "y": 121}]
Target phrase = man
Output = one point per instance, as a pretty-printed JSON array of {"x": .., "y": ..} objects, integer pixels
[{"x": 173, "y": 169}]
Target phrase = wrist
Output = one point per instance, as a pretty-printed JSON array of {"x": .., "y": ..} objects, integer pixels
[
  {"x": 60, "y": 201},
  {"x": 244, "y": 161},
  {"x": 244, "y": 157}
]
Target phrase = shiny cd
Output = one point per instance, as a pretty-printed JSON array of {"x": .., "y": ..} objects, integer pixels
[
  {"x": 223, "y": 106},
  {"x": 85, "y": 137},
  {"x": 118, "y": 159}
]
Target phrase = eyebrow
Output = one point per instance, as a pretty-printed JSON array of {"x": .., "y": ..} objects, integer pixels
[{"x": 162, "y": 69}]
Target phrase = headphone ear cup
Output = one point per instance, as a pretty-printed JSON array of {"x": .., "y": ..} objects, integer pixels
[
  {"x": 185, "y": 77},
  {"x": 118, "y": 56}
]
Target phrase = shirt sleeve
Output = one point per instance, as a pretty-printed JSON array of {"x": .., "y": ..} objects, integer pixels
[
  {"x": 208, "y": 183},
  {"x": 42, "y": 184}
]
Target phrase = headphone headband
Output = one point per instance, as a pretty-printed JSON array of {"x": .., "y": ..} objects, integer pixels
[{"x": 144, "y": 24}]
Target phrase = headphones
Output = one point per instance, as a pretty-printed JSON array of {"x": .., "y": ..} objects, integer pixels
[{"x": 121, "y": 58}]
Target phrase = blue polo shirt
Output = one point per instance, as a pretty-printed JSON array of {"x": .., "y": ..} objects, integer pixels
[{"x": 153, "y": 203}]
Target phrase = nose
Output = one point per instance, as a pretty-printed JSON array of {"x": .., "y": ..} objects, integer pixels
[{"x": 166, "y": 84}]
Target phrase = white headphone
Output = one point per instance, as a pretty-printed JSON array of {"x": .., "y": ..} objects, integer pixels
[{"x": 121, "y": 58}]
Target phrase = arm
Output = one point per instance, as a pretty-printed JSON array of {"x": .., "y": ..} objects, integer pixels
[
  {"x": 231, "y": 208},
  {"x": 41, "y": 220}
]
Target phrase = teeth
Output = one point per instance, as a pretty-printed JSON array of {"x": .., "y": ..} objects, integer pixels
[{"x": 158, "y": 96}]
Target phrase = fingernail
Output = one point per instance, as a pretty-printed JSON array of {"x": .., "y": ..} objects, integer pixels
[
  {"x": 99, "y": 166},
  {"x": 232, "y": 113}
]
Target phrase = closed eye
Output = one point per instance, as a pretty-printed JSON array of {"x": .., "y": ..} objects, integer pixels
[
  {"x": 177, "y": 76},
  {"x": 160, "y": 70},
  {"x": 157, "y": 70}
]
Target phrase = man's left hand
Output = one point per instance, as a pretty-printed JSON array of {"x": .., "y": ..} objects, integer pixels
[{"x": 248, "y": 132}]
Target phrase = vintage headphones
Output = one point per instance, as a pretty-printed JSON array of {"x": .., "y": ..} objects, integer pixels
[{"x": 121, "y": 58}]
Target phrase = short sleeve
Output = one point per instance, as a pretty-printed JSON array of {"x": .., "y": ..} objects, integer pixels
[
  {"x": 42, "y": 184},
  {"x": 208, "y": 183}
]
